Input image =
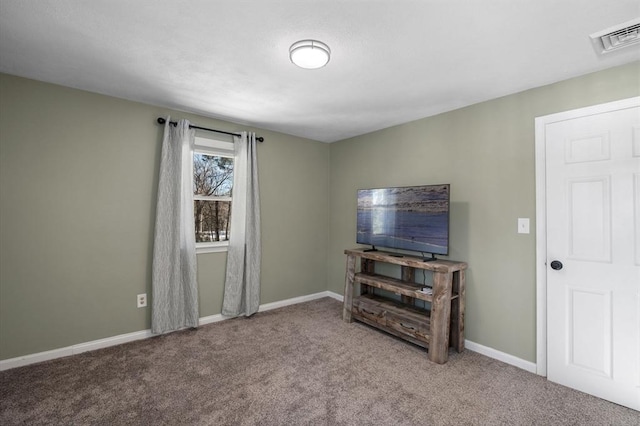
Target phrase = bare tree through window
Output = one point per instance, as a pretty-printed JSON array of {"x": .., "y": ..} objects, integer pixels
[{"x": 212, "y": 190}]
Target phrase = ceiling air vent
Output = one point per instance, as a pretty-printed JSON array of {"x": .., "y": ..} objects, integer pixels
[{"x": 617, "y": 37}]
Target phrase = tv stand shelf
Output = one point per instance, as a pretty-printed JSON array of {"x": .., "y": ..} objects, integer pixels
[
  {"x": 436, "y": 328},
  {"x": 394, "y": 285}
]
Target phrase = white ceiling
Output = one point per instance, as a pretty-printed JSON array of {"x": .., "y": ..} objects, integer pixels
[{"x": 392, "y": 61}]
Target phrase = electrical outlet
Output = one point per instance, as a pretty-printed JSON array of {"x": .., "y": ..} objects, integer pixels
[{"x": 142, "y": 300}]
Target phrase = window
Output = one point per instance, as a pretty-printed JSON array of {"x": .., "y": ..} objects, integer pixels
[{"x": 212, "y": 193}]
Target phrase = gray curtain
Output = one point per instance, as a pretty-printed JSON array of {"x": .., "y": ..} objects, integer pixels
[
  {"x": 174, "y": 285},
  {"x": 242, "y": 283}
]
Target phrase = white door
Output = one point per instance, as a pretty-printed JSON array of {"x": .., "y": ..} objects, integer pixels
[{"x": 593, "y": 251}]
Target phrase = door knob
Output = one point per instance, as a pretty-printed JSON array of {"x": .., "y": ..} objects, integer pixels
[{"x": 556, "y": 265}]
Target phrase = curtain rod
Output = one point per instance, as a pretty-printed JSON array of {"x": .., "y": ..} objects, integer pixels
[{"x": 162, "y": 120}]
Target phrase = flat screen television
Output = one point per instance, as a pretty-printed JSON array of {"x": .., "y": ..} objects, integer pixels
[{"x": 414, "y": 218}]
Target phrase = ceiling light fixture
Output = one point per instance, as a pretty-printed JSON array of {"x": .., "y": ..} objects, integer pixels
[{"x": 309, "y": 54}]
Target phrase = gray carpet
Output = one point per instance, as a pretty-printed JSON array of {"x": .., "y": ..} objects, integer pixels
[{"x": 296, "y": 365}]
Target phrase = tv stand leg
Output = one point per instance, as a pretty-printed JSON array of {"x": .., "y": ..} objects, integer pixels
[
  {"x": 440, "y": 317},
  {"x": 348, "y": 288}
]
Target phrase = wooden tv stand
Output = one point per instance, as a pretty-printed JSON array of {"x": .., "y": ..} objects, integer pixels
[{"x": 436, "y": 328}]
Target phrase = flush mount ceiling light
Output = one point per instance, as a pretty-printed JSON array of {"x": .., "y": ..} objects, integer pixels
[{"x": 309, "y": 54}]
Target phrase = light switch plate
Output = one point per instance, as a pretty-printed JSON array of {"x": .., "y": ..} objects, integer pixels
[{"x": 523, "y": 225}]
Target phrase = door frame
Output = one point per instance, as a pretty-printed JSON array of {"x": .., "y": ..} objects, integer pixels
[{"x": 541, "y": 213}]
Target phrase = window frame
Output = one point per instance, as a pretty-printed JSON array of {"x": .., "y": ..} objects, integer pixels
[{"x": 208, "y": 145}]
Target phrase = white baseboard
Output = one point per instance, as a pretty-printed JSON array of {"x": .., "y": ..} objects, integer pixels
[
  {"x": 144, "y": 334},
  {"x": 275, "y": 305},
  {"x": 501, "y": 356},
  {"x": 295, "y": 300},
  {"x": 475, "y": 347},
  {"x": 336, "y": 296},
  {"x": 138, "y": 335},
  {"x": 73, "y": 350},
  {"x": 210, "y": 319}
]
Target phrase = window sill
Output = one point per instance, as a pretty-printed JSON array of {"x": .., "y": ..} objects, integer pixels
[{"x": 212, "y": 248}]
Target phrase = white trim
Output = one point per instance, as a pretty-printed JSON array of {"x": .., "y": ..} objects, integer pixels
[
  {"x": 73, "y": 350},
  {"x": 274, "y": 305},
  {"x": 215, "y": 247},
  {"x": 138, "y": 335},
  {"x": 211, "y": 144},
  {"x": 501, "y": 356},
  {"x": 144, "y": 334},
  {"x": 541, "y": 214},
  {"x": 541, "y": 248},
  {"x": 338, "y": 297},
  {"x": 211, "y": 198},
  {"x": 111, "y": 341},
  {"x": 211, "y": 319},
  {"x": 301, "y": 299}
]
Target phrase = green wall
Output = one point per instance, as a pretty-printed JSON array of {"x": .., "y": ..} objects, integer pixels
[
  {"x": 78, "y": 177},
  {"x": 78, "y": 181},
  {"x": 486, "y": 153}
]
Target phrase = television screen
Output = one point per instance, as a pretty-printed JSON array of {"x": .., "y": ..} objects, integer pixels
[{"x": 410, "y": 218}]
